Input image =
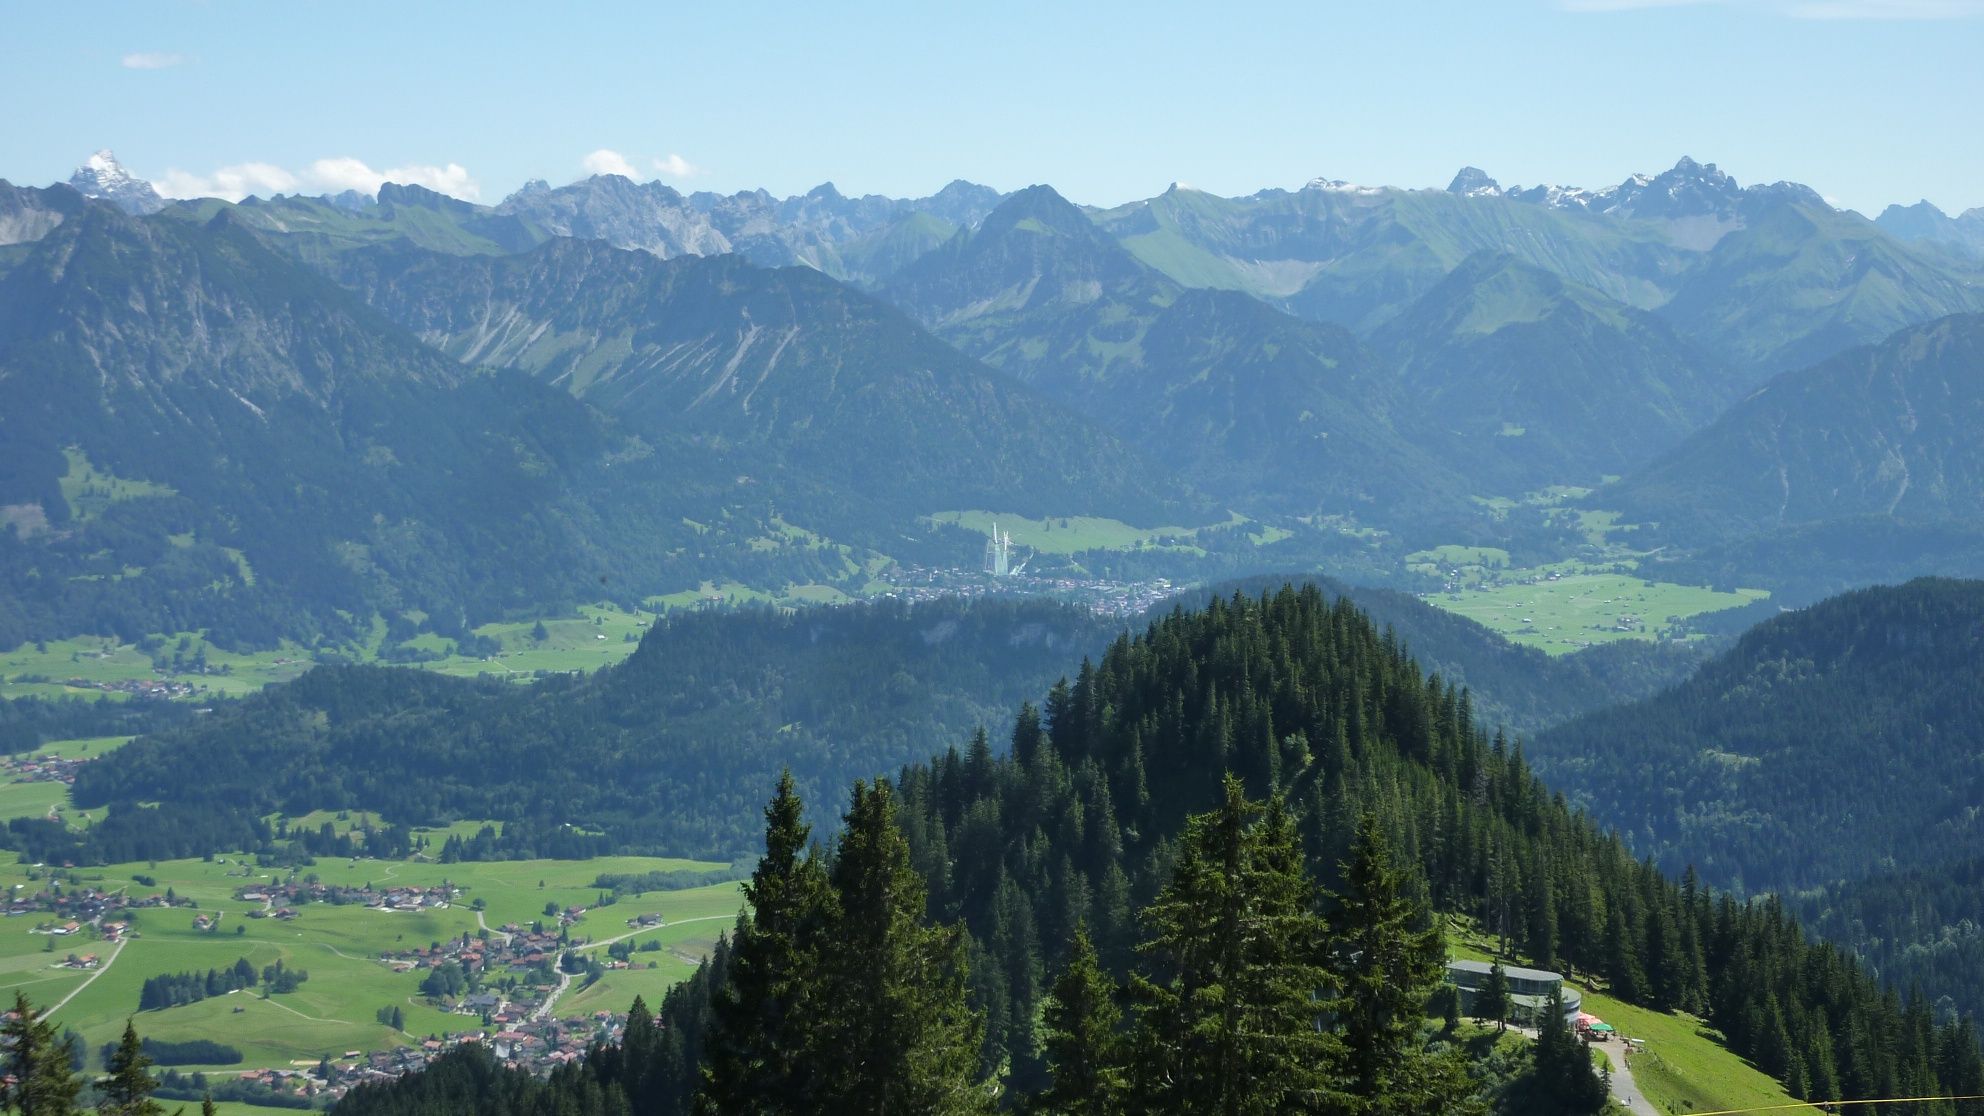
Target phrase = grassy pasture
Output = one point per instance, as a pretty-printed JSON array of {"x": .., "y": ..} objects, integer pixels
[
  {"x": 35, "y": 799},
  {"x": 1581, "y": 609},
  {"x": 1684, "y": 1068}
]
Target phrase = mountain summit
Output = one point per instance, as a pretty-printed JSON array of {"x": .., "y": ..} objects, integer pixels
[{"x": 102, "y": 176}]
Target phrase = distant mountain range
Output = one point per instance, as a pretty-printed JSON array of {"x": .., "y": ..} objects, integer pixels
[{"x": 826, "y": 370}]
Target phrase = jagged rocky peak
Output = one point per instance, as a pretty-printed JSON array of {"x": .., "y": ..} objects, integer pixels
[
  {"x": 102, "y": 176},
  {"x": 1474, "y": 182},
  {"x": 1690, "y": 189}
]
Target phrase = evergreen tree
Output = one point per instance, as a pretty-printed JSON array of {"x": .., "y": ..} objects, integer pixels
[
  {"x": 1385, "y": 958},
  {"x": 1492, "y": 1002},
  {"x": 1083, "y": 1049},
  {"x": 1564, "y": 1080},
  {"x": 761, "y": 1016},
  {"x": 127, "y": 1090},
  {"x": 1233, "y": 1025},
  {"x": 892, "y": 1032},
  {"x": 40, "y": 1080}
]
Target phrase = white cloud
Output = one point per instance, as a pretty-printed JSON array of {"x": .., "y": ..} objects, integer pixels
[
  {"x": 675, "y": 166},
  {"x": 332, "y": 176},
  {"x": 608, "y": 161},
  {"x": 154, "y": 60},
  {"x": 346, "y": 173},
  {"x": 233, "y": 182}
]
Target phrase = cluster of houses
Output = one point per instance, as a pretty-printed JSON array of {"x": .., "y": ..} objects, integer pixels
[
  {"x": 511, "y": 949},
  {"x": 82, "y": 909},
  {"x": 539, "y": 1046},
  {"x": 281, "y": 900},
  {"x": 154, "y": 688},
  {"x": 1107, "y": 598},
  {"x": 40, "y": 769}
]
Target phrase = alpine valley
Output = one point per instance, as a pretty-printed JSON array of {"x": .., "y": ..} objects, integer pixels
[{"x": 1238, "y": 620}]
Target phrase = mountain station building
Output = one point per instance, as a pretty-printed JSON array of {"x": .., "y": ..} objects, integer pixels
[{"x": 1529, "y": 990}]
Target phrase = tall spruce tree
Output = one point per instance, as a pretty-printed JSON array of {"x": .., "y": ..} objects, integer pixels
[
  {"x": 1386, "y": 957},
  {"x": 41, "y": 1080},
  {"x": 892, "y": 1032},
  {"x": 128, "y": 1088},
  {"x": 1492, "y": 1002},
  {"x": 1233, "y": 1022},
  {"x": 1084, "y": 1052},
  {"x": 1564, "y": 1079},
  {"x": 764, "y": 1013}
]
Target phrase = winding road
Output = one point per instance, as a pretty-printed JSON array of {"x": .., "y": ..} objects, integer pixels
[
  {"x": 100, "y": 970},
  {"x": 543, "y": 1010}
]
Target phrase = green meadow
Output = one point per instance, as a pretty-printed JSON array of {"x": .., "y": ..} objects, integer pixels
[
  {"x": 596, "y": 636},
  {"x": 1578, "y": 609},
  {"x": 1684, "y": 1066}
]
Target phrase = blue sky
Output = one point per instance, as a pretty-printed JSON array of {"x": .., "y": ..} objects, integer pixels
[{"x": 1868, "y": 101}]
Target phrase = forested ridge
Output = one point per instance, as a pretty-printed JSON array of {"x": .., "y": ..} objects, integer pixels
[
  {"x": 665, "y": 753},
  {"x": 1826, "y": 744},
  {"x": 1104, "y": 803}
]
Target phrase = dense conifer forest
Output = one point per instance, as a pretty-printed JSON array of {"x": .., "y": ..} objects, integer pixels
[
  {"x": 664, "y": 754},
  {"x": 1827, "y": 744},
  {"x": 1078, "y": 865}
]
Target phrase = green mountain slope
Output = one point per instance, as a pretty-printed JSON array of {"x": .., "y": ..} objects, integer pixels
[
  {"x": 1538, "y": 381},
  {"x": 1358, "y": 256},
  {"x": 1829, "y": 743},
  {"x": 1802, "y": 281},
  {"x": 1886, "y": 430},
  {"x": 318, "y": 229}
]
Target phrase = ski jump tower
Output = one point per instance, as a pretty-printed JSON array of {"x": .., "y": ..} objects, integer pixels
[{"x": 999, "y": 552}]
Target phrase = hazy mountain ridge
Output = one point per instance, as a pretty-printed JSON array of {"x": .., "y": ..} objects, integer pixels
[
  {"x": 1538, "y": 380},
  {"x": 274, "y": 458},
  {"x": 1884, "y": 430},
  {"x": 824, "y": 378},
  {"x": 810, "y": 229},
  {"x": 1261, "y": 408}
]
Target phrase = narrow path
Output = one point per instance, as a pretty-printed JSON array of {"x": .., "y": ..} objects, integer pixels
[
  {"x": 1624, "y": 1089},
  {"x": 503, "y": 934},
  {"x": 543, "y": 1010},
  {"x": 100, "y": 970}
]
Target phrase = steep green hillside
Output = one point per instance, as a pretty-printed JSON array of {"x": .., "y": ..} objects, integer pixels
[
  {"x": 1802, "y": 281},
  {"x": 319, "y": 229},
  {"x": 1534, "y": 381},
  {"x": 1885, "y": 431},
  {"x": 1826, "y": 744},
  {"x": 1358, "y": 256}
]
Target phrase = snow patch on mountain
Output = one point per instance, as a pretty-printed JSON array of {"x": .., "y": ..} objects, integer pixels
[{"x": 102, "y": 176}]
